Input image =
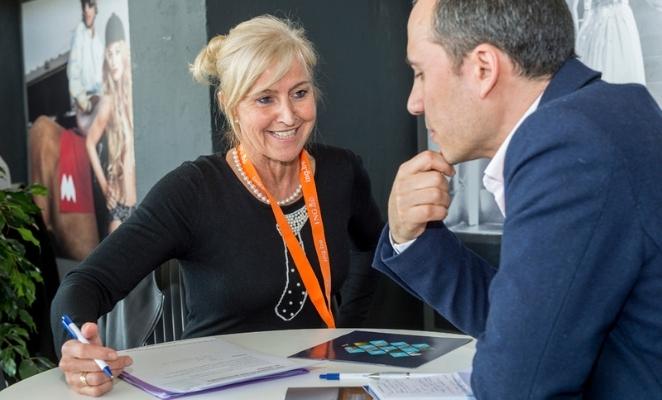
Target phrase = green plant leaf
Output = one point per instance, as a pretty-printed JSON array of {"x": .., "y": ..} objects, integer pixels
[
  {"x": 38, "y": 190},
  {"x": 18, "y": 277},
  {"x": 28, "y": 368},
  {"x": 27, "y": 319},
  {"x": 8, "y": 365},
  {"x": 27, "y": 235},
  {"x": 22, "y": 350}
]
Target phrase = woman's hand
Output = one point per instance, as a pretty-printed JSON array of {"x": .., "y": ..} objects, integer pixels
[
  {"x": 103, "y": 185},
  {"x": 111, "y": 197},
  {"x": 81, "y": 372}
]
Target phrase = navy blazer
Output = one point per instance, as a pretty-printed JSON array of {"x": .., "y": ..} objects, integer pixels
[{"x": 575, "y": 308}]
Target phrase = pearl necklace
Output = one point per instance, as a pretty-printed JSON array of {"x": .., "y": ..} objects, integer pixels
[{"x": 255, "y": 190}]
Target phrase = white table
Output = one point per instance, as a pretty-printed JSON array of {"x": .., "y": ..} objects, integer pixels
[{"x": 51, "y": 385}]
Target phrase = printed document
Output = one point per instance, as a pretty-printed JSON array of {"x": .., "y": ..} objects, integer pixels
[
  {"x": 439, "y": 387},
  {"x": 192, "y": 366}
]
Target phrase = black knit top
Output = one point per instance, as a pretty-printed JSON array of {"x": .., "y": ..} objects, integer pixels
[{"x": 237, "y": 273}]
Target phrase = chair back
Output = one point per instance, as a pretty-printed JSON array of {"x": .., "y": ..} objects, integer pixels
[{"x": 171, "y": 324}]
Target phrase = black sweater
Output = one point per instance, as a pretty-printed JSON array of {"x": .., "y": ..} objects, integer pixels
[{"x": 232, "y": 257}]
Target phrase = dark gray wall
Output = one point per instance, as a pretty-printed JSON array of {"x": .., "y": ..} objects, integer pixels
[
  {"x": 13, "y": 142},
  {"x": 362, "y": 73},
  {"x": 365, "y": 83},
  {"x": 171, "y": 111}
]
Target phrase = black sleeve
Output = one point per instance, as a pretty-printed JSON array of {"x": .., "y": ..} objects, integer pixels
[
  {"x": 365, "y": 225},
  {"x": 161, "y": 228}
]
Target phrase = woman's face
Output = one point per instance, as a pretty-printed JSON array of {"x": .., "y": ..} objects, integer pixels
[
  {"x": 115, "y": 60},
  {"x": 275, "y": 121}
]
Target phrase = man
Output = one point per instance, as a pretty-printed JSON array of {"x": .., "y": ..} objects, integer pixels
[
  {"x": 84, "y": 68},
  {"x": 574, "y": 309}
]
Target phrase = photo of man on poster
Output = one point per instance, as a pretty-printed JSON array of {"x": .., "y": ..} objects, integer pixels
[{"x": 84, "y": 67}]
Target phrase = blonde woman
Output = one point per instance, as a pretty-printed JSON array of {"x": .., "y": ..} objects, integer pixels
[
  {"x": 115, "y": 120},
  {"x": 262, "y": 232}
]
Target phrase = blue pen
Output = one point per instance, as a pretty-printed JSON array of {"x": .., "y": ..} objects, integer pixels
[
  {"x": 75, "y": 333},
  {"x": 337, "y": 376}
]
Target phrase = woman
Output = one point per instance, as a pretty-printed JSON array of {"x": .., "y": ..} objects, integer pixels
[
  {"x": 262, "y": 232},
  {"x": 115, "y": 119}
]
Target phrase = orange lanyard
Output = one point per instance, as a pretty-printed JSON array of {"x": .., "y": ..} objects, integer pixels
[{"x": 315, "y": 216}]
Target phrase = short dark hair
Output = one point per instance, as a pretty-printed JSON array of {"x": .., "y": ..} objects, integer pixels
[
  {"x": 537, "y": 35},
  {"x": 89, "y": 3}
]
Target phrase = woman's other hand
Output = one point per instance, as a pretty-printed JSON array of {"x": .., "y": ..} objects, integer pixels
[
  {"x": 112, "y": 197},
  {"x": 81, "y": 373}
]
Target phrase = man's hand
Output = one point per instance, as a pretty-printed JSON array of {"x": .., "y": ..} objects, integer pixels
[{"x": 419, "y": 195}]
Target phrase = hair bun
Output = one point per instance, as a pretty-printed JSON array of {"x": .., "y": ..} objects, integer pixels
[{"x": 203, "y": 68}]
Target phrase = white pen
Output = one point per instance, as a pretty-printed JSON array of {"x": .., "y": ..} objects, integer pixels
[
  {"x": 336, "y": 376},
  {"x": 75, "y": 333}
]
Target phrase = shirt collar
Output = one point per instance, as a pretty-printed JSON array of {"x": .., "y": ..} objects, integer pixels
[{"x": 493, "y": 174}]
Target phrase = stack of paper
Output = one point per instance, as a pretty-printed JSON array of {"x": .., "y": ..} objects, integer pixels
[
  {"x": 180, "y": 368},
  {"x": 438, "y": 387}
]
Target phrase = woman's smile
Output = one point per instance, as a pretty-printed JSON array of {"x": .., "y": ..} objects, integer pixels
[{"x": 283, "y": 134}]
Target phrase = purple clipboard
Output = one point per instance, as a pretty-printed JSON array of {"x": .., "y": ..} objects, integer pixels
[{"x": 165, "y": 394}]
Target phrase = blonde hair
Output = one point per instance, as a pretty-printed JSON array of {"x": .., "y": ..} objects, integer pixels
[
  {"x": 235, "y": 61},
  {"x": 120, "y": 124}
]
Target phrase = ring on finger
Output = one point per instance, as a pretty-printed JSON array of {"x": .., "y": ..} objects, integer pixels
[{"x": 83, "y": 378}]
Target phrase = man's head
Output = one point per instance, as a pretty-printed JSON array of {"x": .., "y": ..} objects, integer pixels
[
  {"x": 470, "y": 56},
  {"x": 89, "y": 12}
]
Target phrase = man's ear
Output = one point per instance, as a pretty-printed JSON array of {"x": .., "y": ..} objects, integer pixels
[{"x": 485, "y": 64}]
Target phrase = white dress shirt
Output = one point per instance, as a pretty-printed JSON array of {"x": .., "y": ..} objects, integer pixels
[
  {"x": 492, "y": 176},
  {"x": 85, "y": 66}
]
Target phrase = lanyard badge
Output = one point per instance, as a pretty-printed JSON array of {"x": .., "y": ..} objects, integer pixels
[{"x": 304, "y": 268}]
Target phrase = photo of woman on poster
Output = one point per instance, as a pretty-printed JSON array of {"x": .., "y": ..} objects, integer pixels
[{"x": 115, "y": 120}]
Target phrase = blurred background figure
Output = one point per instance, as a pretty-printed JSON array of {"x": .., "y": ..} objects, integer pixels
[
  {"x": 84, "y": 67},
  {"x": 608, "y": 40}
]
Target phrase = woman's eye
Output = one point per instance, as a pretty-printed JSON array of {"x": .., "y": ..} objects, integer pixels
[
  {"x": 299, "y": 94},
  {"x": 265, "y": 100},
  {"x": 418, "y": 75}
]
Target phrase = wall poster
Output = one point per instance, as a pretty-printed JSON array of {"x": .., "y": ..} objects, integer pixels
[
  {"x": 81, "y": 138},
  {"x": 622, "y": 39},
  {"x": 79, "y": 95}
]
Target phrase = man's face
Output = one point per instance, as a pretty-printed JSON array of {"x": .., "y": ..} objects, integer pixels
[
  {"x": 439, "y": 91},
  {"x": 89, "y": 13}
]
